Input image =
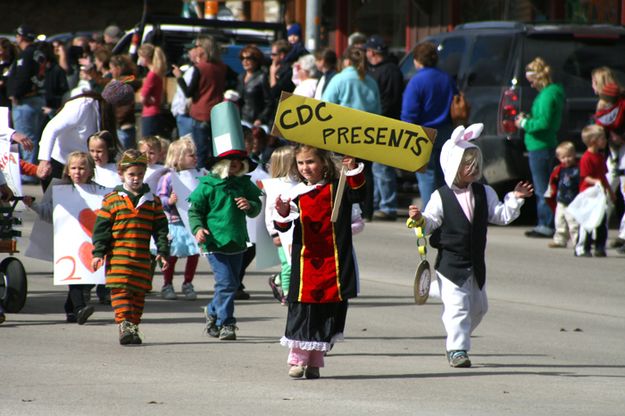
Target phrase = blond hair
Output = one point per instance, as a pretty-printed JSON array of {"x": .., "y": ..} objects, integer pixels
[
  {"x": 222, "y": 168},
  {"x": 471, "y": 157},
  {"x": 177, "y": 150},
  {"x": 565, "y": 148},
  {"x": 330, "y": 171},
  {"x": 281, "y": 161},
  {"x": 603, "y": 76},
  {"x": 74, "y": 156},
  {"x": 541, "y": 72},
  {"x": 592, "y": 133},
  {"x": 157, "y": 61},
  {"x": 153, "y": 142}
]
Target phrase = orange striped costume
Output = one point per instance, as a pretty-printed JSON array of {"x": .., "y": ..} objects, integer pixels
[{"x": 122, "y": 233}]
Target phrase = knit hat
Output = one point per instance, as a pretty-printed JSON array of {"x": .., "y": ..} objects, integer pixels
[
  {"x": 294, "y": 29},
  {"x": 453, "y": 149},
  {"x": 118, "y": 93},
  {"x": 610, "y": 90},
  {"x": 227, "y": 132}
]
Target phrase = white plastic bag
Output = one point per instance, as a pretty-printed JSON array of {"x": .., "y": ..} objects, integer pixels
[{"x": 589, "y": 207}]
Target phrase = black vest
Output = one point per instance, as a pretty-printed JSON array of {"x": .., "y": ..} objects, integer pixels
[{"x": 460, "y": 243}]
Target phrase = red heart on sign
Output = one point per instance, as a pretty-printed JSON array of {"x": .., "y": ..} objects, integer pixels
[
  {"x": 85, "y": 254},
  {"x": 87, "y": 218}
]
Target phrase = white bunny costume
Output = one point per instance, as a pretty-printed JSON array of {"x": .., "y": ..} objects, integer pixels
[{"x": 460, "y": 217}]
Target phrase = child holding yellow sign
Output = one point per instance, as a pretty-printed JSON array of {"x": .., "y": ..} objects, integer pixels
[
  {"x": 323, "y": 267},
  {"x": 457, "y": 215}
]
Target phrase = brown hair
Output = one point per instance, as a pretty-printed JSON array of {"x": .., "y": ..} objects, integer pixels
[
  {"x": 425, "y": 53},
  {"x": 254, "y": 53},
  {"x": 112, "y": 144},
  {"x": 328, "y": 56},
  {"x": 357, "y": 59},
  {"x": 282, "y": 46}
]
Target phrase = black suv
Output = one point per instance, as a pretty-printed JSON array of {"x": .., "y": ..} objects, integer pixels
[{"x": 488, "y": 59}]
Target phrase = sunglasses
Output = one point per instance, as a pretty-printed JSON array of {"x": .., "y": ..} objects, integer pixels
[{"x": 248, "y": 58}]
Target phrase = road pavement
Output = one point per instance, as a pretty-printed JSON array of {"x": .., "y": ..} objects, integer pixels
[{"x": 551, "y": 344}]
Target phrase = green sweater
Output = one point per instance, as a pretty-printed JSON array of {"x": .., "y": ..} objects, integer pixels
[
  {"x": 213, "y": 207},
  {"x": 541, "y": 128}
]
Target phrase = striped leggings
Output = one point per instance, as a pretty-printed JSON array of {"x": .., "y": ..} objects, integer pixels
[{"x": 128, "y": 305}]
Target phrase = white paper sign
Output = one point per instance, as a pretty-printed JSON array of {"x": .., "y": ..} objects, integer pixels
[
  {"x": 182, "y": 184},
  {"x": 74, "y": 216},
  {"x": 273, "y": 188},
  {"x": 107, "y": 176},
  {"x": 152, "y": 175},
  {"x": 266, "y": 252}
]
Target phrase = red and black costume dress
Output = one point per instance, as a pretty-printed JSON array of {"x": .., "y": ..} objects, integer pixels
[{"x": 324, "y": 272}]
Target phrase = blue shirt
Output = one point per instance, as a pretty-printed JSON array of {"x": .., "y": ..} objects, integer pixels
[
  {"x": 568, "y": 184},
  {"x": 427, "y": 98},
  {"x": 347, "y": 89}
]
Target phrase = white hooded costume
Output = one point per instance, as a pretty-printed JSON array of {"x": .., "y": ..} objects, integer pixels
[{"x": 464, "y": 301}]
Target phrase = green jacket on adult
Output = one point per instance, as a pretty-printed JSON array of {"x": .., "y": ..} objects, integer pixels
[
  {"x": 541, "y": 128},
  {"x": 214, "y": 208}
]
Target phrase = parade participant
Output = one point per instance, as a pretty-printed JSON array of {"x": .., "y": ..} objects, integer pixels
[
  {"x": 154, "y": 59},
  {"x": 563, "y": 188},
  {"x": 128, "y": 218},
  {"x": 219, "y": 206},
  {"x": 541, "y": 137},
  {"x": 323, "y": 267},
  {"x": 103, "y": 148},
  {"x": 592, "y": 171},
  {"x": 458, "y": 214},
  {"x": 283, "y": 179},
  {"x": 180, "y": 156},
  {"x": 152, "y": 148},
  {"x": 80, "y": 169}
]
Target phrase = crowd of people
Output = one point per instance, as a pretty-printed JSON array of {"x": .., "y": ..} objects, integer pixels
[{"x": 73, "y": 116}]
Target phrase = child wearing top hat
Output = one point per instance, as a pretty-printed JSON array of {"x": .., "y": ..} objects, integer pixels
[
  {"x": 457, "y": 215},
  {"x": 219, "y": 206}
]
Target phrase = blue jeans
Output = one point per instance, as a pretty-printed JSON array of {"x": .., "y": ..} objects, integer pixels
[
  {"x": 226, "y": 268},
  {"x": 28, "y": 119},
  {"x": 384, "y": 188},
  {"x": 184, "y": 124},
  {"x": 541, "y": 164},
  {"x": 128, "y": 137},
  {"x": 202, "y": 137}
]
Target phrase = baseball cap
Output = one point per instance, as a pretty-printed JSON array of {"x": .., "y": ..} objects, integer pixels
[
  {"x": 26, "y": 32},
  {"x": 376, "y": 43}
]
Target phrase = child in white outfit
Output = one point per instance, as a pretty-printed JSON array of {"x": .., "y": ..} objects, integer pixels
[{"x": 458, "y": 214}]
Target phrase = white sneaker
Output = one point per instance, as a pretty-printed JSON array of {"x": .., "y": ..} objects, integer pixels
[
  {"x": 188, "y": 291},
  {"x": 167, "y": 292}
]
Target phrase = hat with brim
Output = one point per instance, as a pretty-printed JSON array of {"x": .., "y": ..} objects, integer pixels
[{"x": 26, "y": 31}]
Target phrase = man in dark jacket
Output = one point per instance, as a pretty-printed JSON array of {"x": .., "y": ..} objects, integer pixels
[
  {"x": 391, "y": 84},
  {"x": 25, "y": 89}
]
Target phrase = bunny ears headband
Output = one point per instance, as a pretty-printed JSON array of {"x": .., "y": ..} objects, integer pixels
[{"x": 451, "y": 153}]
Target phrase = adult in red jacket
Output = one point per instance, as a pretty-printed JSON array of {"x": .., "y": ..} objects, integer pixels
[{"x": 206, "y": 90}]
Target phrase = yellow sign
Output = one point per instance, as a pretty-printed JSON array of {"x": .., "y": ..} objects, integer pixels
[{"x": 353, "y": 132}]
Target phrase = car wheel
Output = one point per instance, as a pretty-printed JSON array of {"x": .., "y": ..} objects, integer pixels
[{"x": 13, "y": 285}]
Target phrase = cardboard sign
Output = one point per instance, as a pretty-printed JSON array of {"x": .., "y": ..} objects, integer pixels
[
  {"x": 74, "y": 216},
  {"x": 182, "y": 184},
  {"x": 353, "y": 132}
]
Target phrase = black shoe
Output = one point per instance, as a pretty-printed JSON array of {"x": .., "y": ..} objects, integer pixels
[
  {"x": 536, "y": 234},
  {"x": 2, "y": 317},
  {"x": 71, "y": 318},
  {"x": 126, "y": 333},
  {"x": 600, "y": 253},
  {"x": 84, "y": 314},
  {"x": 618, "y": 242},
  {"x": 241, "y": 295}
]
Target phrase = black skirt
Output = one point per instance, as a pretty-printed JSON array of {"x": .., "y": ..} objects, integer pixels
[{"x": 314, "y": 326}]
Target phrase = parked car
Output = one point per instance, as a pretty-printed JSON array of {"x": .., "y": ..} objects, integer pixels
[{"x": 487, "y": 60}]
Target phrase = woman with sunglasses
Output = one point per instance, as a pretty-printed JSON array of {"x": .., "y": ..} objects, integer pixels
[{"x": 253, "y": 88}]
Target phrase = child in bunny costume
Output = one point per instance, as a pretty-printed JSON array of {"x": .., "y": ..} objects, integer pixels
[{"x": 457, "y": 216}]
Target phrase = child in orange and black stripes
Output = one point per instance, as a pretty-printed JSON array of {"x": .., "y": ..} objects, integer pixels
[{"x": 129, "y": 216}]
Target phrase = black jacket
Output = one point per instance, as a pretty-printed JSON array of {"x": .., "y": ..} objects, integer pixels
[
  {"x": 255, "y": 97},
  {"x": 391, "y": 84},
  {"x": 26, "y": 75}
]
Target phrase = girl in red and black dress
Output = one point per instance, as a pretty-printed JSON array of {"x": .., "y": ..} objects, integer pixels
[{"x": 323, "y": 274}]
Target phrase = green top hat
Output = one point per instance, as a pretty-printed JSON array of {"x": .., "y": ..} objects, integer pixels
[{"x": 227, "y": 131}]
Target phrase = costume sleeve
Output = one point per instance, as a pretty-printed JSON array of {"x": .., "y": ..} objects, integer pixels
[
  {"x": 163, "y": 191},
  {"x": 198, "y": 209},
  {"x": 161, "y": 229},
  {"x": 102, "y": 230},
  {"x": 433, "y": 213},
  {"x": 27, "y": 168},
  {"x": 502, "y": 213},
  {"x": 356, "y": 181}
]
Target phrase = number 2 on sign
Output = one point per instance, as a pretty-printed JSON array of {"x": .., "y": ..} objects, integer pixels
[{"x": 71, "y": 274}]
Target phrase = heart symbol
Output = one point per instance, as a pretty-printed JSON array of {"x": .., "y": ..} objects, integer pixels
[
  {"x": 259, "y": 183},
  {"x": 316, "y": 262},
  {"x": 315, "y": 226},
  {"x": 86, "y": 219},
  {"x": 316, "y": 294},
  {"x": 85, "y": 254}
]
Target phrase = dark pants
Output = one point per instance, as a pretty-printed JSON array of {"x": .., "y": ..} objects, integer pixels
[
  {"x": 75, "y": 298},
  {"x": 248, "y": 256},
  {"x": 367, "y": 205}
]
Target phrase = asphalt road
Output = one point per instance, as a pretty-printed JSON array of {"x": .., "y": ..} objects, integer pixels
[{"x": 552, "y": 344}]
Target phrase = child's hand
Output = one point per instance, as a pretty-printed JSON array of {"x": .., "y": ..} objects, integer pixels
[
  {"x": 276, "y": 241},
  {"x": 200, "y": 235},
  {"x": 96, "y": 262},
  {"x": 173, "y": 198},
  {"x": 523, "y": 189},
  {"x": 28, "y": 200},
  {"x": 414, "y": 213},
  {"x": 349, "y": 162},
  {"x": 242, "y": 203},
  {"x": 283, "y": 207},
  {"x": 162, "y": 261}
]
